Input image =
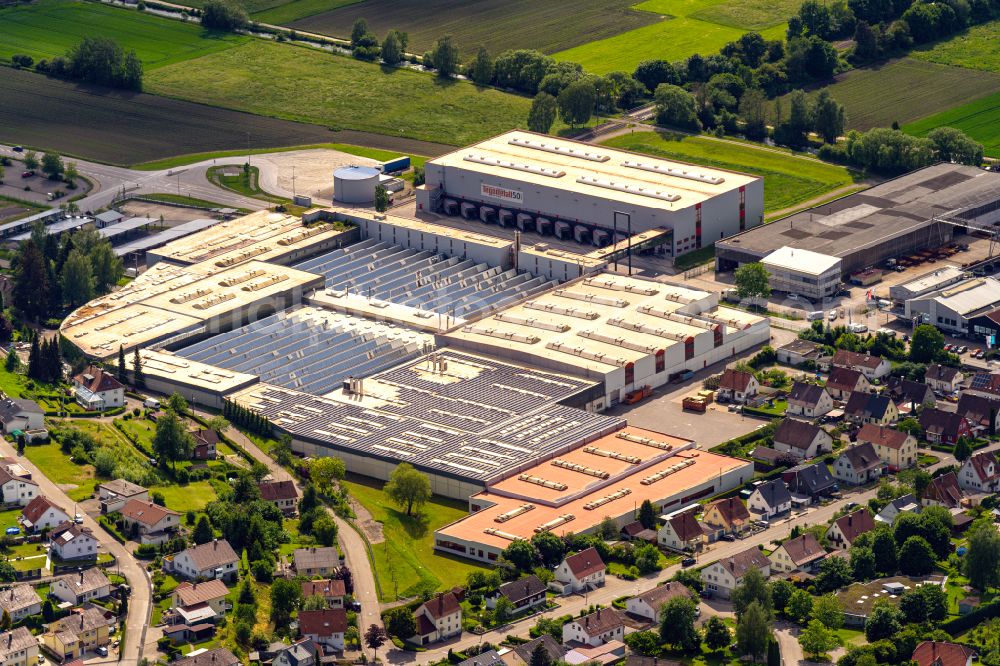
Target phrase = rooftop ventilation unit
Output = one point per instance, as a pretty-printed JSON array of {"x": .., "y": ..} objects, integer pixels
[
  {"x": 675, "y": 172},
  {"x": 513, "y": 513},
  {"x": 555, "y": 522},
  {"x": 582, "y": 469},
  {"x": 234, "y": 280},
  {"x": 592, "y": 298},
  {"x": 664, "y": 473},
  {"x": 584, "y": 353},
  {"x": 678, "y": 297},
  {"x": 503, "y": 335},
  {"x": 530, "y": 168},
  {"x": 645, "y": 441},
  {"x": 646, "y": 328},
  {"x": 604, "y": 453},
  {"x": 607, "y": 499},
  {"x": 503, "y": 535},
  {"x": 561, "y": 310},
  {"x": 242, "y": 256},
  {"x": 618, "y": 342},
  {"x": 670, "y": 315},
  {"x": 606, "y": 283},
  {"x": 539, "y": 481},
  {"x": 629, "y": 188},
  {"x": 304, "y": 233},
  {"x": 264, "y": 282},
  {"x": 190, "y": 295},
  {"x": 559, "y": 150},
  {"x": 530, "y": 322},
  {"x": 212, "y": 301}
]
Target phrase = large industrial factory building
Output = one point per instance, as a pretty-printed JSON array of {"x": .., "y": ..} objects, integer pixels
[{"x": 578, "y": 191}]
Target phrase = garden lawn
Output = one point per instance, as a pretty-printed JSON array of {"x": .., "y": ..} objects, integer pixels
[
  {"x": 9, "y": 519},
  {"x": 192, "y": 497},
  {"x": 788, "y": 179},
  {"x": 979, "y": 119},
  {"x": 76, "y": 480},
  {"x": 269, "y": 79},
  {"x": 12, "y": 384},
  {"x": 49, "y": 28},
  {"x": 407, "y": 554},
  {"x": 682, "y": 32}
]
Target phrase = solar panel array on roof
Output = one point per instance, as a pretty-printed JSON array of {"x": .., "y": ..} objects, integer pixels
[
  {"x": 291, "y": 350},
  {"x": 421, "y": 279}
]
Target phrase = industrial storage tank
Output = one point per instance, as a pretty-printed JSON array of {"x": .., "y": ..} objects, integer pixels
[{"x": 355, "y": 184}]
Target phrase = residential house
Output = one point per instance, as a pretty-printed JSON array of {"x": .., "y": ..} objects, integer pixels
[
  {"x": 84, "y": 585},
  {"x": 870, "y": 408},
  {"x": 943, "y": 491},
  {"x": 635, "y": 531},
  {"x": 857, "y": 465},
  {"x": 70, "y": 541},
  {"x": 985, "y": 382},
  {"x": 905, "y": 504},
  {"x": 681, "y": 531},
  {"x": 802, "y": 439},
  {"x": 213, "y": 657},
  {"x": 324, "y": 627},
  {"x": 737, "y": 386},
  {"x": 770, "y": 499},
  {"x": 316, "y": 561},
  {"x": 605, "y": 654},
  {"x": 765, "y": 458},
  {"x": 302, "y": 652},
  {"x": 895, "y": 448},
  {"x": 333, "y": 590},
  {"x": 842, "y": 382},
  {"x": 114, "y": 494},
  {"x": 723, "y": 576},
  {"x": 812, "y": 481},
  {"x": 649, "y": 604},
  {"x": 20, "y": 414},
  {"x": 600, "y": 627},
  {"x": 180, "y": 633},
  {"x": 846, "y": 529},
  {"x": 809, "y": 400},
  {"x": 579, "y": 572},
  {"x": 20, "y": 601},
  {"x": 81, "y": 631},
  {"x": 17, "y": 490},
  {"x": 152, "y": 523},
  {"x": 205, "y": 444},
  {"x": 872, "y": 367},
  {"x": 981, "y": 472},
  {"x": 213, "y": 559},
  {"x": 19, "y": 647},
  {"x": 909, "y": 395},
  {"x": 41, "y": 513},
  {"x": 982, "y": 412},
  {"x": 210, "y": 592},
  {"x": 98, "y": 390},
  {"x": 799, "y": 351},
  {"x": 524, "y": 594},
  {"x": 486, "y": 658},
  {"x": 280, "y": 493},
  {"x": 725, "y": 516},
  {"x": 942, "y": 378},
  {"x": 802, "y": 553},
  {"x": 940, "y": 653},
  {"x": 437, "y": 619},
  {"x": 941, "y": 427},
  {"x": 520, "y": 655}
]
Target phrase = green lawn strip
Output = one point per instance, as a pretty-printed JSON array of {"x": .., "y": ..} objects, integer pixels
[
  {"x": 788, "y": 179},
  {"x": 14, "y": 384},
  {"x": 976, "y": 48},
  {"x": 979, "y": 119},
  {"x": 49, "y": 28},
  {"x": 267, "y": 79},
  {"x": 9, "y": 518},
  {"x": 58, "y": 467},
  {"x": 298, "y": 9},
  {"x": 905, "y": 90},
  {"x": 700, "y": 256},
  {"x": 246, "y": 184},
  {"x": 746, "y": 14},
  {"x": 407, "y": 554}
]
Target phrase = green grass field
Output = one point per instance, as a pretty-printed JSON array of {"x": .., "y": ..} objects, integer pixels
[
  {"x": 976, "y": 48},
  {"x": 192, "y": 497},
  {"x": 299, "y": 9},
  {"x": 906, "y": 90},
  {"x": 979, "y": 119},
  {"x": 546, "y": 25},
  {"x": 686, "y": 27},
  {"x": 270, "y": 79},
  {"x": 788, "y": 180},
  {"x": 77, "y": 480},
  {"x": 48, "y": 28},
  {"x": 407, "y": 554}
]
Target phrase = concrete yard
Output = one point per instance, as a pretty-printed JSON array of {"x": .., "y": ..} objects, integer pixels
[{"x": 313, "y": 171}]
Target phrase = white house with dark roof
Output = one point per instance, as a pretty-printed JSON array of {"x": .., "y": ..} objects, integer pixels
[
  {"x": 982, "y": 412},
  {"x": 579, "y": 572},
  {"x": 213, "y": 559},
  {"x": 943, "y": 378},
  {"x": 438, "y": 618},
  {"x": 524, "y": 593},
  {"x": 857, "y": 465},
  {"x": 20, "y": 601},
  {"x": 600, "y": 627},
  {"x": 82, "y": 586},
  {"x": 681, "y": 531},
  {"x": 42, "y": 513},
  {"x": 649, "y": 604},
  {"x": 801, "y": 439},
  {"x": 324, "y": 627},
  {"x": 847, "y": 528},
  {"x": 981, "y": 472},
  {"x": 316, "y": 560},
  {"x": 280, "y": 493},
  {"x": 723, "y": 576},
  {"x": 799, "y": 554},
  {"x": 114, "y": 494},
  {"x": 17, "y": 490},
  {"x": 20, "y": 414},
  {"x": 98, "y": 390},
  {"x": 871, "y": 366},
  {"x": 70, "y": 541},
  {"x": 770, "y": 499},
  {"x": 905, "y": 504},
  {"x": 808, "y": 400}
]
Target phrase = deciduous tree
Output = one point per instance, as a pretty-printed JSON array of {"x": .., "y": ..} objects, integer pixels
[
  {"x": 677, "y": 619},
  {"x": 576, "y": 102},
  {"x": 408, "y": 487},
  {"x": 542, "y": 114}
]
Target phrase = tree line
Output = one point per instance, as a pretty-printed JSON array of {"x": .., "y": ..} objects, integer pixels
[{"x": 97, "y": 60}]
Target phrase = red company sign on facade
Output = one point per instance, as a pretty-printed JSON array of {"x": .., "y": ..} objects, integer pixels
[{"x": 502, "y": 193}]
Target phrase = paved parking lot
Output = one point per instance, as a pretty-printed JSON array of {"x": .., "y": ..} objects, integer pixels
[{"x": 14, "y": 184}]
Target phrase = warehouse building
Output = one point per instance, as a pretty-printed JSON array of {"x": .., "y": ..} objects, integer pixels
[
  {"x": 889, "y": 220},
  {"x": 461, "y": 418},
  {"x": 926, "y": 283},
  {"x": 622, "y": 332},
  {"x": 810, "y": 274},
  {"x": 954, "y": 307},
  {"x": 573, "y": 491},
  {"x": 165, "y": 373},
  {"x": 586, "y": 193}
]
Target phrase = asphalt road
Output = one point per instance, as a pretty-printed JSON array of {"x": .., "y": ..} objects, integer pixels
[{"x": 138, "y": 581}]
